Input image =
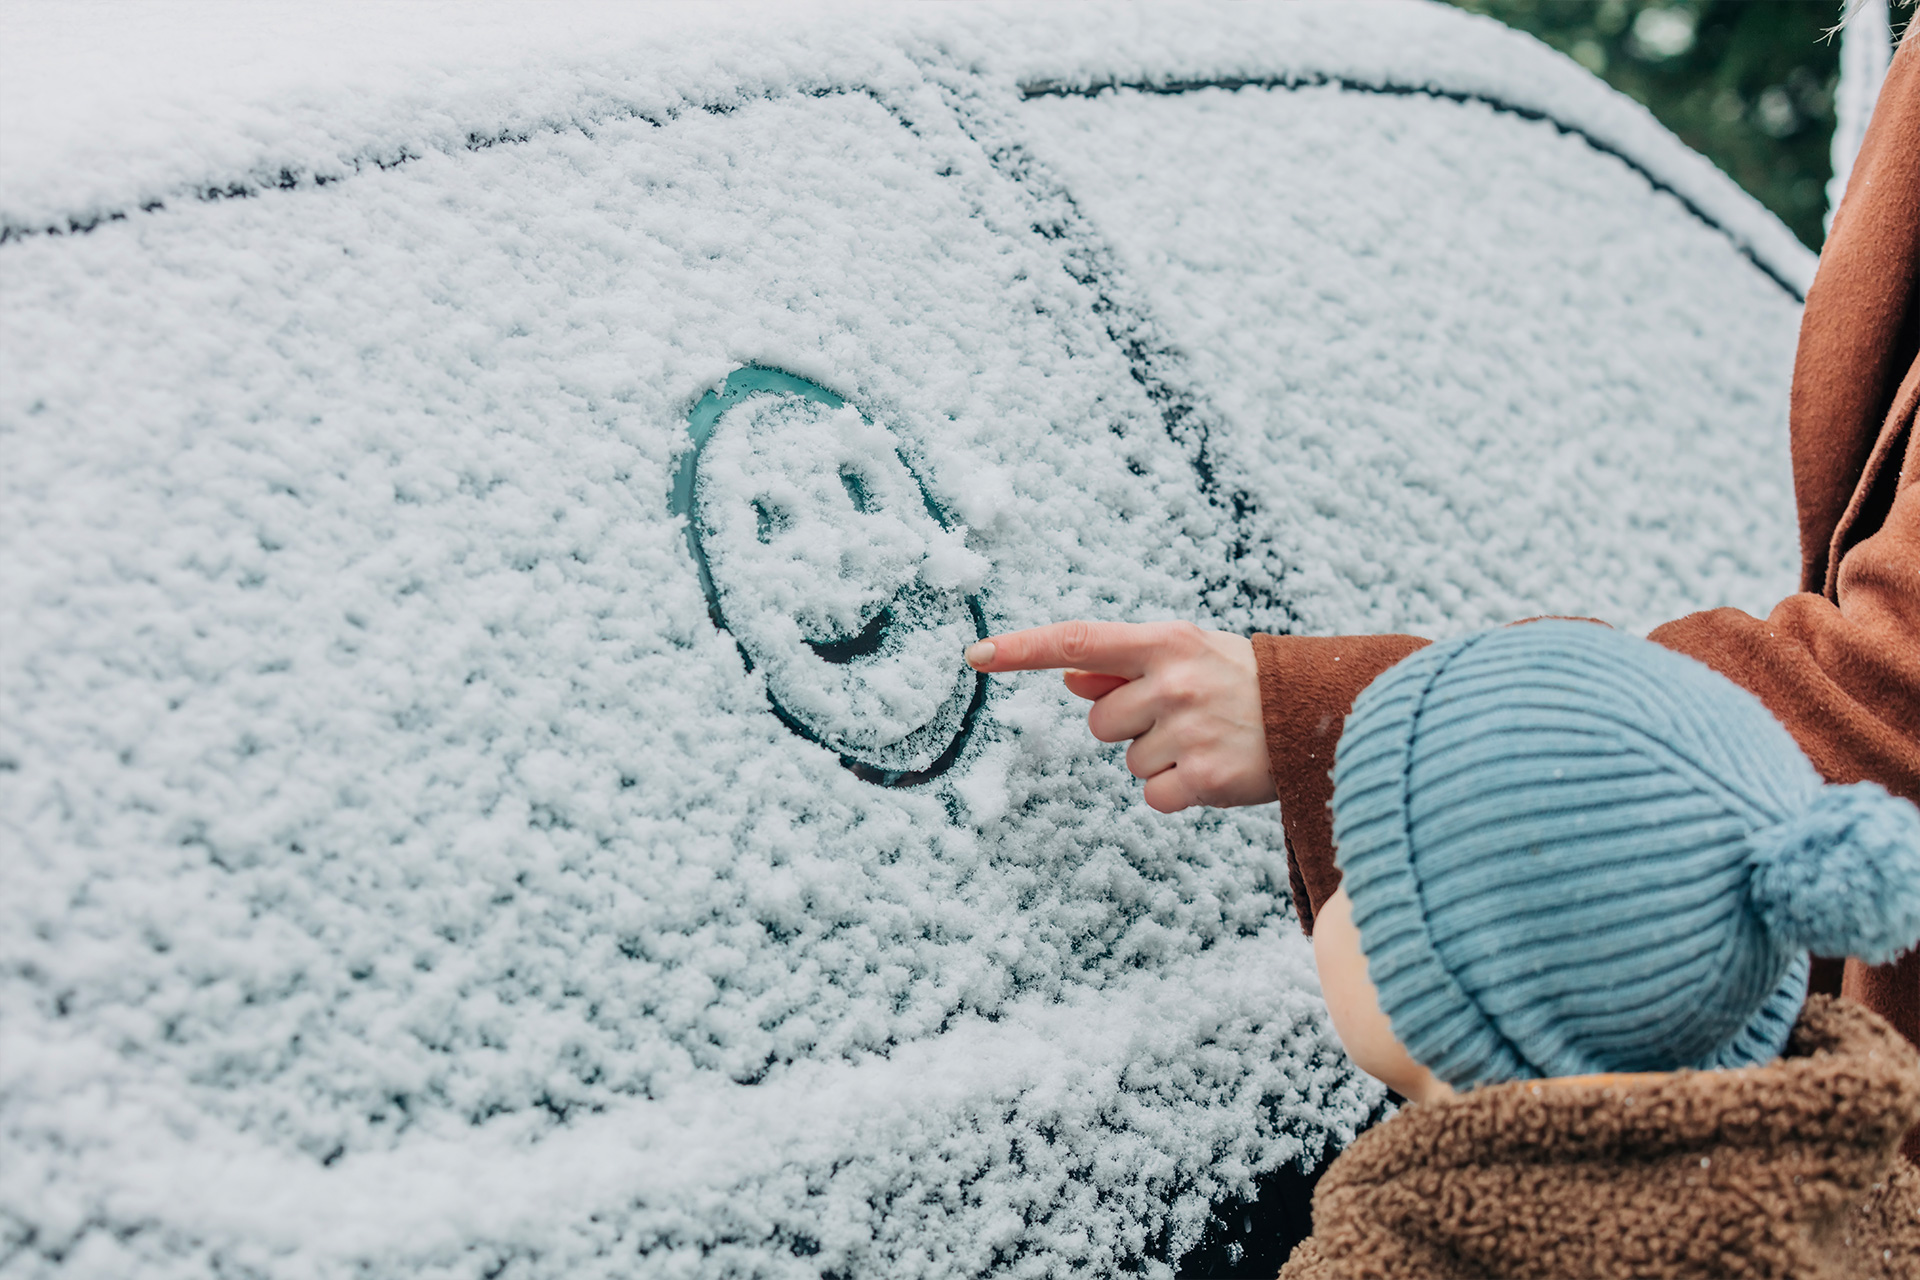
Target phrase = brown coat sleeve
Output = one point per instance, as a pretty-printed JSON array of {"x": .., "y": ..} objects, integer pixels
[{"x": 1307, "y": 686}]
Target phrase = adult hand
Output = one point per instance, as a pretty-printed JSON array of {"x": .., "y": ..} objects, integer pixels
[{"x": 1189, "y": 699}]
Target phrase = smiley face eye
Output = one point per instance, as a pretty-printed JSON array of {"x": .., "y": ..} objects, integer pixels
[
  {"x": 769, "y": 519},
  {"x": 856, "y": 486}
]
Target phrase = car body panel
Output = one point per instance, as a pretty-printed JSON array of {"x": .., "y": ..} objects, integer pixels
[{"x": 413, "y": 870}]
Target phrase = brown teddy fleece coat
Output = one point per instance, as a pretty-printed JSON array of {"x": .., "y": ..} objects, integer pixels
[
  {"x": 1839, "y": 662},
  {"x": 1787, "y": 1170}
]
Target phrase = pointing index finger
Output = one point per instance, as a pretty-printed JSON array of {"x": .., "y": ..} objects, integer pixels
[{"x": 1108, "y": 648}]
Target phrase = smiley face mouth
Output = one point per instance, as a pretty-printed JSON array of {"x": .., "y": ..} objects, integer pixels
[
  {"x": 871, "y": 639},
  {"x": 926, "y": 751}
]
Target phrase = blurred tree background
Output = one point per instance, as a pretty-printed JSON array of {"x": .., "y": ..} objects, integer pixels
[{"x": 1747, "y": 83}]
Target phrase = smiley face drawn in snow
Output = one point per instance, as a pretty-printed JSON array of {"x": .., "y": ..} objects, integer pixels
[{"x": 835, "y": 572}]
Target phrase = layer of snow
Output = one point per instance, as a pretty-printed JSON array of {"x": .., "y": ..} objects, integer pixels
[
  {"x": 1485, "y": 374},
  {"x": 112, "y": 104},
  {"x": 402, "y": 873},
  {"x": 379, "y": 778}
]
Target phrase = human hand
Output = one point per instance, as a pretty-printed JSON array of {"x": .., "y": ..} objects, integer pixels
[{"x": 1189, "y": 699}]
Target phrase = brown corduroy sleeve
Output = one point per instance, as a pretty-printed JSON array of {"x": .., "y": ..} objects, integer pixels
[{"x": 1307, "y": 687}]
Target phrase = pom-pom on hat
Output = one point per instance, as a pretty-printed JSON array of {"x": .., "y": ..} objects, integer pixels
[{"x": 1573, "y": 851}]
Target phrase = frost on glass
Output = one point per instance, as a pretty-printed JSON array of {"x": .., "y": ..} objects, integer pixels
[
  {"x": 415, "y": 865},
  {"x": 414, "y": 879},
  {"x": 1476, "y": 371}
]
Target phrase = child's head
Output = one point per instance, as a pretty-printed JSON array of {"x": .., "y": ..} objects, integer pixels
[{"x": 1570, "y": 851}]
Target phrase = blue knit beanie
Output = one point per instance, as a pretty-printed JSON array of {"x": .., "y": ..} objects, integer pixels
[{"x": 1572, "y": 851}]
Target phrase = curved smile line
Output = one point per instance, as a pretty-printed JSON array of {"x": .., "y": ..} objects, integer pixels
[
  {"x": 701, "y": 420},
  {"x": 868, "y": 641}
]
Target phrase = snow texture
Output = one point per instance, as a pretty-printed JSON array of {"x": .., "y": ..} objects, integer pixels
[{"x": 403, "y": 874}]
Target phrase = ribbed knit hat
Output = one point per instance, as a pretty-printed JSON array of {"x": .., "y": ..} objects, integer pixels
[{"x": 1573, "y": 851}]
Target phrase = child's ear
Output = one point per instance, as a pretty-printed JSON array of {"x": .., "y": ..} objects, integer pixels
[{"x": 1364, "y": 1029}]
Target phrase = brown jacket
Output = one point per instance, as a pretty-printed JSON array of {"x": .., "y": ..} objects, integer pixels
[
  {"x": 1838, "y": 663},
  {"x": 1786, "y": 1170}
]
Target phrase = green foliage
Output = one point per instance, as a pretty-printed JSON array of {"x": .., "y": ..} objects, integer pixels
[{"x": 1747, "y": 83}]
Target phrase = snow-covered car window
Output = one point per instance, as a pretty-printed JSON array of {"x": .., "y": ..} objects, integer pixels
[
  {"x": 488, "y": 784},
  {"x": 378, "y": 720},
  {"x": 1482, "y": 368}
]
